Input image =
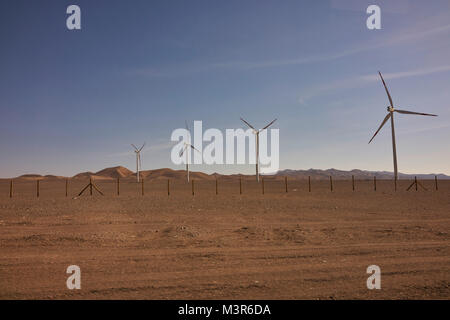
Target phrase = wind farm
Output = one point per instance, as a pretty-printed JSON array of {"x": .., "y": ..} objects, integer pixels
[
  {"x": 228, "y": 236},
  {"x": 194, "y": 229},
  {"x": 302, "y": 172}
]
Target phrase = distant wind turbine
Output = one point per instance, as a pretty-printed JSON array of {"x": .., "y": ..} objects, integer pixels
[
  {"x": 391, "y": 111},
  {"x": 185, "y": 151},
  {"x": 256, "y": 133},
  {"x": 138, "y": 159}
]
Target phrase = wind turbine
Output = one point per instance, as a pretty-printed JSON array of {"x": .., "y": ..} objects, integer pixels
[
  {"x": 390, "y": 114},
  {"x": 256, "y": 133},
  {"x": 138, "y": 159},
  {"x": 185, "y": 150}
]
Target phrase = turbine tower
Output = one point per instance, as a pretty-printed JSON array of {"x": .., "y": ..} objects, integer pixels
[
  {"x": 256, "y": 133},
  {"x": 138, "y": 159},
  {"x": 184, "y": 150},
  {"x": 390, "y": 115}
]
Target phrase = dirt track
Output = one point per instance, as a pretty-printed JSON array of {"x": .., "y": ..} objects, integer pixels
[{"x": 274, "y": 246}]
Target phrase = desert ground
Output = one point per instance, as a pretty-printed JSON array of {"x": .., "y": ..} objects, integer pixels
[{"x": 276, "y": 245}]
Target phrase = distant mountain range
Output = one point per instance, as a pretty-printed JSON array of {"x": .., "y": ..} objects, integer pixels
[
  {"x": 165, "y": 173},
  {"x": 359, "y": 174}
]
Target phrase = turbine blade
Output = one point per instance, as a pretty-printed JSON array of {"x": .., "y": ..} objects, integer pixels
[
  {"x": 187, "y": 127},
  {"x": 269, "y": 125},
  {"x": 134, "y": 147},
  {"x": 194, "y": 148},
  {"x": 387, "y": 91},
  {"x": 412, "y": 112},
  {"x": 381, "y": 126},
  {"x": 142, "y": 147},
  {"x": 248, "y": 124},
  {"x": 182, "y": 151}
]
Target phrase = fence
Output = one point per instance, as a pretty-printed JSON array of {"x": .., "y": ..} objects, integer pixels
[{"x": 172, "y": 187}]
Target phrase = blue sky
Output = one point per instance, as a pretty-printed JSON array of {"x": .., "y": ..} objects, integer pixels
[{"x": 73, "y": 101}]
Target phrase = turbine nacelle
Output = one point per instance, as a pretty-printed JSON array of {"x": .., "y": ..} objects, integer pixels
[{"x": 390, "y": 109}]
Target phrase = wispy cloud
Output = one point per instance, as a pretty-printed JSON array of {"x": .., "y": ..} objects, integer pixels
[
  {"x": 404, "y": 36},
  {"x": 361, "y": 81},
  {"x": 413, "y": 73},
  {"x": 290, "y": 62},
  {"x": 396, "y": 39}
]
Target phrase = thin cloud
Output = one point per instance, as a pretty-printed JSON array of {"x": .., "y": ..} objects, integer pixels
[
  {"x": 289, "y": 62},
  {"x": 361, "y": 81},
  {"x": 412, "y": 34},
  {"x": 394, "y": 40},
  {"x": 414, "y": 73}
]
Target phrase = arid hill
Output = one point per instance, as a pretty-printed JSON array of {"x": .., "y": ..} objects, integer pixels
[
  {"x": 317, "y": 174},
  {"x": 115, "y": 172},
  {"x": 33, "y": 177},
  {"x": 83, "y": 175},
  {"x": 166, "y": 173}
]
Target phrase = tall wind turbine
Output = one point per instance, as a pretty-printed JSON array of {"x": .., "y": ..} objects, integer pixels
[
  {"x": 256, "y": 133},
  {"x": 138, "y": 159},
  {"x": 185, "y": 151},
  {"x": 390, "y": 114}
]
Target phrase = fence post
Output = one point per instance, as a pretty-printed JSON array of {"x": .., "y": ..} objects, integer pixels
[
  {"x": 240, "y": 185},
  {"x": 118, "y": 186},
  {"x": 90, "y": 186},
  {"x": 193, "y": 192},
  {"x": 217, "y": 187},
  {"x": 331, "y": 184},
  {"x": 285, "y": 184},
  {"x": 415, "y": 181},
  {"x": 262, "y": 185},
  {"x": 353, "y": 182},
  {"x": 67, "y": 187},
  {"x": 375, "y": 183},
  {"x": 168, "y": 187},
  {"x": 37, "y": 188},
  {"x": 436, "y": 182},
  {"x": 11, "y": 189},
  {"x": 395, "y": 183},
  {"x": 309, "y": 183}
]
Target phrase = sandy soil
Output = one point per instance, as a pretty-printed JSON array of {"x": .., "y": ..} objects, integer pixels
[{"x": 229, "y": 246}]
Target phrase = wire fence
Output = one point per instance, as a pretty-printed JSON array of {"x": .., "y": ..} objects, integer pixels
[{"x": 174, "y": 187}]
